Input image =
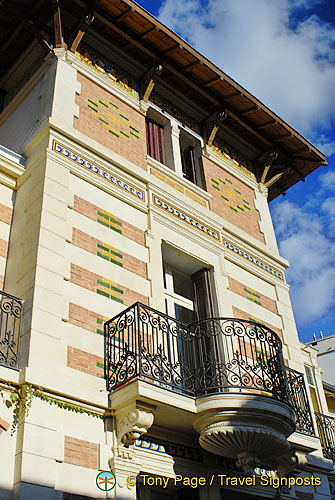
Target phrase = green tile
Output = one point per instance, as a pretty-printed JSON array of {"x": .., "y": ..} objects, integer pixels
[
  {"x": 213, "y": 180},
  {"x": 115, "y": 221},
  {"x": 131, "y": 133},
  {"x": 245, "y": 206},
  {"x": 103, "y": 103},
  {"x": 100, "y": 365},
  {"x": 100, "y": 321},
  {"x": 116, "y": 254},
  {"x": 215, "y": 187},
  {"x": 95, "y": 104},
  {"x": 103, "y": 215},
  {"x": 103, "y": 121},
  {"x": 245, "y": 201},
  {"x": 103, "y": 222},
  {"x": 237, "y": 191},
  {"x": 230, "y": 182},
  {"x": 115, "y": 106},
  {"x": 233, "y": 208},
  {"x": 114, "y": 133},
  {"x": 124, "y": 117},
  {"x": 116, "y": 299},
  {"x": 134, "y": 129},
  {"x": 116, "y": 262},
  {"x": 240, "y": 207},
  {"x": 103, "y": 256},
  {"x": 100, "y": 282},
  {"x": 126, "y": 135},
  {"x": 224, "y": 198},
  {"x": 91, "y": 107},
  {"x": 115, "y": 229},
  {"x": 102, "y": 247},
  {"x": 101, "y": 292},
  {"x": 116, "y": 289},
  {"x": 100, "y": 332},
  {"x": 223, "y": 182}
]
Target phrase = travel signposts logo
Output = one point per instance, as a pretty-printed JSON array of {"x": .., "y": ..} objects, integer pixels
[{"x": 106, "y": 480}]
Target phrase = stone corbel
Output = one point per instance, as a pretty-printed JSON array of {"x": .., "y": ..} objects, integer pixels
[
  {"x": 132, "y": 422},
  {"x": 263, "y": 189},
  {"x": 290, "y": 463}
]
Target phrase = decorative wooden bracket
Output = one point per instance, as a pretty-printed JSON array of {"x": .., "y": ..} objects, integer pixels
[
  {"x": 219, "y": 118},
  {"x": 59, "y": 42},
  {"x": 149, "y": 80},
  {"x": 81, "y": 30}
]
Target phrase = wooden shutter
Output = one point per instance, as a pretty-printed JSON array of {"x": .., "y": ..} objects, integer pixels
[
  {"x": 202, "y": 294},
  {"x": 188, "y": 161},
  {"x": 155, "y": 141}
]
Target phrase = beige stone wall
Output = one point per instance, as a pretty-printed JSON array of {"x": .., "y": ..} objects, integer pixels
[{"x": 6, "y": 212}]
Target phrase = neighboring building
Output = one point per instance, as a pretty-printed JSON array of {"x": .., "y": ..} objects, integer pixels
[{"x": 134, "y": 186}]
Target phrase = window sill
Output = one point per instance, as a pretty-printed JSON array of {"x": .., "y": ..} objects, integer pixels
[{"x": 187, "y": 185}]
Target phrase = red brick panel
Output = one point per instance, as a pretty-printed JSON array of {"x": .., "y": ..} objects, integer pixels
[
  {"x": 4, "y": 425},
  {"x": 85, "y": 362},
  {"x": 89, "y": 243},
  {"x": 86, "y": 208},
  {"x": 86, "y": 279},
  {"x": 79, "y": 452},
  {"x": 232, "y": 199},
  {"x": 111, "y": 122},
  {"x": 80, "y": 316},
  {"x": 3, "y": 248},
  {"x": 253, "y": 295},
  {"x": 5, "y": 214}
]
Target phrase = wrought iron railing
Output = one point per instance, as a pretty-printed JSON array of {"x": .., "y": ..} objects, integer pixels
[
  {"x": 10, "y": 321},
  {"x": 326, "y": 431},
  {"x": 208, "y": 356},
  {"x": 299, "y": 401}
]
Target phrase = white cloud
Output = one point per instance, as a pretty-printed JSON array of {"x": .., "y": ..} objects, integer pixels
[
  {"x": 312, "y": 257},
  {"x": 328, "y": 180},
  {"x": 286, "y": 63}
]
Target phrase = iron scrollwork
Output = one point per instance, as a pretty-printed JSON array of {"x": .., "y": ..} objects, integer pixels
[
  {"x": 326, "y": 431},
  {"x": 299, "y": 401},
  {"x": 208, "y": 356},
  {"x": 10, "y": 321}
]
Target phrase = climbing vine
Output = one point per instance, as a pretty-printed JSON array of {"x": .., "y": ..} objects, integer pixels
[{"x": 21, "y": 397}]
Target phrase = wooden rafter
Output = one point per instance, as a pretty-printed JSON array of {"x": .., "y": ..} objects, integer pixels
[
  {"x": 149, "y": 80},
  {"x": 81, "y": 30},
  {"x": 59, "y": 42}
]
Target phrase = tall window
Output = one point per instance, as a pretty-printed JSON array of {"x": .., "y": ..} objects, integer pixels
[
  {"x": 155, "y": 140},
  {"x": 190, "y": 151}
]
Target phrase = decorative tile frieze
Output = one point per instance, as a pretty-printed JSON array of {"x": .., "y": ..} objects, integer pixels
[
  {"x": 97, "y": 170},
  {"x": 174, "y": 111},
  {"x": 113, "y": 73},
  {"x": 248, "y": 256},
  {"x": 233, "y": 158},
  {"x": 185, "y": 217},
  {"x": 172, "y": 449}
]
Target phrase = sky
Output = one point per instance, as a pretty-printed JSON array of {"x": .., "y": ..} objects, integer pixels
[{"x": 283, "y": 52}]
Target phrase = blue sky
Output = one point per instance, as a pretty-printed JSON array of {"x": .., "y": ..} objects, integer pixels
[{"x": 283, "y": 53}]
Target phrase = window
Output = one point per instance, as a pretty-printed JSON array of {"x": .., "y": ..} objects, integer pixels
[
  {"x": 190, "y": 152},
  {"x": 155, "y": 140},
  {"x": 188, "y": 287}
]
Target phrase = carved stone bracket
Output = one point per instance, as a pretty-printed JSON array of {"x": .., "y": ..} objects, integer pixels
[
  {"x": 132, "y": 422},
  {"x": 247, "y": 462},
  {"x": 290, "y": 463}
]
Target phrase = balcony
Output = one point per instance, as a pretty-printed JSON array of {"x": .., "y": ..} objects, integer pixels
[
  {"x": 326, "y": 430},
  {"x": 10, "y": 322},
  {"x": 229, "y": 372}
]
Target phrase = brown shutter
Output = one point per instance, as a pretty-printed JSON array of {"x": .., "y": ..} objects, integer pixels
[
  {"x": 189, "y": 171},
  {"x": 155, "y": 141},
  {"x": 202, "y": 294}
]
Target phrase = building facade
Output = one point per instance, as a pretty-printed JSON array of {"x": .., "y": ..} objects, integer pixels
[{"x": 146, "y": 324}]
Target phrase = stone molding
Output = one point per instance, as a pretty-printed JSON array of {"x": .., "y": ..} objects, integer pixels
[{"x": 132, "y": 422}]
